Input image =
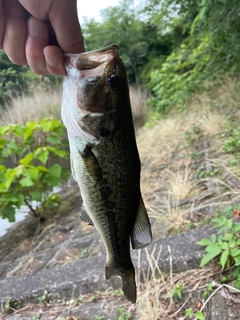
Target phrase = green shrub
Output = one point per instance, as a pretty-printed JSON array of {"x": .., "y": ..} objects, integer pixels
[{"x": 29, "y": 171}]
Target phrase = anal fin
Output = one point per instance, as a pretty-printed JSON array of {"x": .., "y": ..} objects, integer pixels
[
  {"x": 84, "y": 216},
  {"x": 141, "y": 235}
]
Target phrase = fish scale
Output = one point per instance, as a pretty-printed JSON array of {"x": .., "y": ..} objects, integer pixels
[{"x": 96, "y": 111}]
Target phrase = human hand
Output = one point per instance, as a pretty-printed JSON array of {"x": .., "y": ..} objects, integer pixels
[{"x": 37, "y": 32}]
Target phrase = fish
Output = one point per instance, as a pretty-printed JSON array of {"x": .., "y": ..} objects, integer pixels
[{"x": 96, "y": 112}]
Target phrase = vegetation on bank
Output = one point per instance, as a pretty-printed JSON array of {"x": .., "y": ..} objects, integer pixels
[
  {"x": 171, "y": 47},
  {"x": 29, "y": 171},
  {"x": 186, "y": 53}
]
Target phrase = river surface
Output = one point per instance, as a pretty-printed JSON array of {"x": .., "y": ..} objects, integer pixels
[{"x": 20, "y": 215}]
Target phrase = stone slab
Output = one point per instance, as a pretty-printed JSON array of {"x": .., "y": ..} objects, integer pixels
[{"x": 178, "y": 252}]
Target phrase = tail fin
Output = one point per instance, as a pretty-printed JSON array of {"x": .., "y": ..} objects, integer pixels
[{"x": 128, "y": 281}]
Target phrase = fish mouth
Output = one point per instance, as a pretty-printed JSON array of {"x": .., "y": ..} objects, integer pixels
[
  {"x": 92, "y": 63},
  {"x": 92, "y": 75}
]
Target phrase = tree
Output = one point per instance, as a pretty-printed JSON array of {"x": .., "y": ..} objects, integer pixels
[
  {"x": 16, "y": 80},
  {"x": 205, "y": 37},
  {"x": 138, "y": 40}
]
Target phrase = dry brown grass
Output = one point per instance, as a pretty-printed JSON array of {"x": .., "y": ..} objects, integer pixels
[
  {"x": 169, "y": 169},
  {"x": 40, "y": 104},
  {"x": 156, "y": 291},
  {"x": 169, "y": 177},
  {"x": 138, "y": 97}
]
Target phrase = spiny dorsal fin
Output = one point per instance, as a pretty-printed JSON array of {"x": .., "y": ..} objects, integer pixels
[{"x": 141, "y": 235}]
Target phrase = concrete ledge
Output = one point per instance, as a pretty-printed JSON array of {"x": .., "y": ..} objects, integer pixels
[{"x": 87, "y": 275}]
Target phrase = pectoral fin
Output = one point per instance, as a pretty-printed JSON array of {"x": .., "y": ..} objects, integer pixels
[
  {"x": 100, "y": 126},
  {"x": 89, "y": 159},
  {"x": 141, "y": 235},
  {"x": 84, "y": 216}
]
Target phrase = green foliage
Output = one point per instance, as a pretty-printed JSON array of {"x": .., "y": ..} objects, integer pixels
[
  {"x": 207, "y": 291},
  {"x": 225, "y": 246},
  {"x": 232, "y": 145},
  {"x": 82, "y": 253},
  {"x": 178, "y": 288},
  {"x": 11, "y": 304},
  {"x": 141, "y": 45},
  {"x": 32, "y": 149},
  {"x": 45, "y": 297},
  {"x": 37, "y": 317},
  {"x": 202, "y": 173},
  {"x": 198, "y": 314},
  {"x": 205, "y": 47},
  {"x": 124, "y": 315}
]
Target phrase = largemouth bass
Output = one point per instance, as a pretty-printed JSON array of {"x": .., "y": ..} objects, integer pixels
[{"x": 97, "y": 113}]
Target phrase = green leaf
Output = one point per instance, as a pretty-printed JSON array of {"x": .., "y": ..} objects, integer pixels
[
  {"x": 43, "y": 157},
  {"x": 26, "y": 182},
  {"x": 224, "y": 245},
  {"x": 55, "y": 197},
  {"x": 6, "y": 152},
  {"x": 20, "y": 201},
  {"x": 223, "y": 258},
  {"x": 37, "y": 195},
  {"x": 27, "y": 159},
  {"x": 199, "y": 315},
  {"x": 237, "y": 260},
  {"x": 188, "y": 312},
  {"x": 236, "y": 272},
  {"x": 232, "y": 243},
  {"x": 219, "y": 221},
  {"x": 56, "y": 170},
  {"x": 46, "y": 124},
  {"x": 19, "y": 170},
  {"x": 4, "y": 130},
  {"x": 209, "y": 256},
  {"x": 53, "y": 139},
  {"x": 8, "y": 197},
  {"x": 213, "y": 238},
  {"x": 57, "y": 152},
  {"x": 8, "y": 181},
  {"x": 228, "y": 236},
  {"x": 236, "y": 227},
  {"x": 235, "y": 252},
  {"x": 213, "y": 248},
  {"x": 204, "y": 242},
  {"x": 42, "y": 169},
  {"x": 9, "y": 213},
  {"x": 236, "y": 284},
  {"x": 229, "y": 223},
  {"x": 28, "y": 133},
  {"x": 33, "y": 172}
]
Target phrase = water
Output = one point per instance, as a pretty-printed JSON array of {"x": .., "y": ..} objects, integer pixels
[{"x": 20, "y": 215}]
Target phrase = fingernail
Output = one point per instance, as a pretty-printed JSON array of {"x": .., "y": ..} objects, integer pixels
[{"x": 51, "y": 59}]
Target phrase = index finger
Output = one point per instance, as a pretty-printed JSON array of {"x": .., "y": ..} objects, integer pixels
[{"x": 2, "y": 24}]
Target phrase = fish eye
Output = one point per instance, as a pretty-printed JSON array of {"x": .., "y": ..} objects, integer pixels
[{"x": 112, "y": 80}]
